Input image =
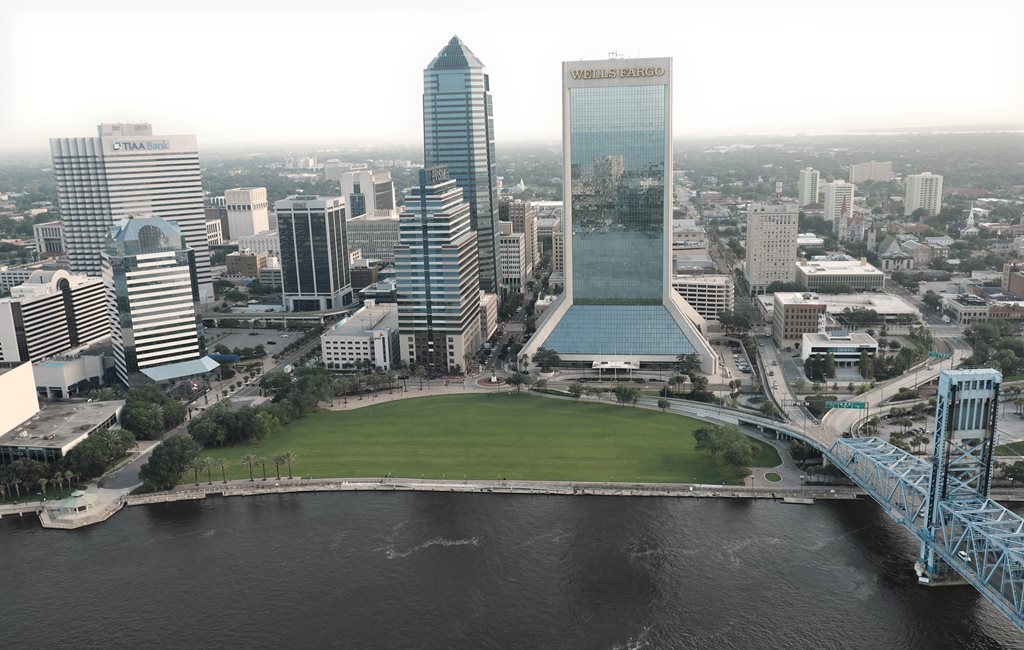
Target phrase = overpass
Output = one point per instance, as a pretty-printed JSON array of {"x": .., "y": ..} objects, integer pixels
[{"x": 283, "y": 317}]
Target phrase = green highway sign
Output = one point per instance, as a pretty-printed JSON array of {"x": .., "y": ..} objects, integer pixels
[
  {"x": 844, "y": 405},
  {"x": 938, "y": 355}
]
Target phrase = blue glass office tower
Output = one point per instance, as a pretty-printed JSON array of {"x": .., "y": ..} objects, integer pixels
[
  {"x": 619, "y": 308},
  {"x": 458, "y": 133}
]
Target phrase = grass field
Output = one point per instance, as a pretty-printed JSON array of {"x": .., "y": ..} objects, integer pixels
[
  {"x": 488, "y": 436},
  {"x": 774, "y": 477},
  {"x": 1012, "y": 449}
]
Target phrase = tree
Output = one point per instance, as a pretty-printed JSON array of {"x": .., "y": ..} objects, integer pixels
[
  {"x": 768, "y": 409},
  {"x": 250, "y": 460},
  {"x": 576, "y": 389},
  {"x": 664, "y": 404},
  {"x": 546, "y": 359},
  {"x": 220, "y": 464},
  {"x": 688, "y": 364},
  {"x": 518, "y": 380},
  {"x": 145, "y": 419},
  {"x": 167, "y": 463},
  {"x": 42, "y": 485},
  {"x": 931, "y": 299},
  {"x": 829, "y": 369},
  {"x": 196, "y": 464},
  {"x": 733, "y": 322},
  {"x": 278, "y": 461},
  {"x": 625, "y": 394},
  {"x": 289, "y": 458}
]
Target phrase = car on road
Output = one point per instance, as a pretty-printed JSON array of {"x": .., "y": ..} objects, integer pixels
[
  {"x": 271, "y": 342},
  {"x": 963, "y": 556},
  {"x": 284, "y": 336},
  {"x": 254, "y": 333},
  {"x": 771, "y": 373}
]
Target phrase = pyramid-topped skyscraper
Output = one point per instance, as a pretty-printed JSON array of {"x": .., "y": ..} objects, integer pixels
[{"x": 458, "y": 133}]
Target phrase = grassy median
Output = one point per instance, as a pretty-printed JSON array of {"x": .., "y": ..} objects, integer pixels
[{"x": 486, "y": 436}]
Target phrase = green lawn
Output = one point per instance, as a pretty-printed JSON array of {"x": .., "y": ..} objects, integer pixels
[
  {"x": 772, "y": 476},
  {"x": 1012, "y": 449},
  {"x": 486, "y": 436}
]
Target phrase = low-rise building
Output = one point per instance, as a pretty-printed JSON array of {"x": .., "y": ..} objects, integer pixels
[
  {"x": 369, "y": 336},
  {"x": 18, "y": 387},
  {"x": 375, "y": 235},
  {"x": 795, "y": 314},
  {"x": 512, "y": 258},
  {"x": 710, "y": 295},
  {"x": 245, "y": 264},
  {"x": 61, "y": 376},
  {"x": 270, "y": 275},
  {"x": 965, "y": 308},
  {"x": 845, "y": 347},
  {"x": 57, "y": 429},
  {"x": 831, "y": 271},
  {"x": 262, "y": 242}
]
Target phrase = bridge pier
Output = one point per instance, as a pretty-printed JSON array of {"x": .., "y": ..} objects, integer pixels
[{"x": 935, "y": 572}]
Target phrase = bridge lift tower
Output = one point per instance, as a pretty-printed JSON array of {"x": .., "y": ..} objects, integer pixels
[{"x": 961, "y": 473}]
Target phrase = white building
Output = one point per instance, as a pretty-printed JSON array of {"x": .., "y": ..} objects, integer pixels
[
  {"x": 858, "y": 275},
  {"x": 488, "y": 314},
  {"x": 314, "y": 252},
  {"x": 807, "y": 189},
  {"x": 49, "y": 238},
  {"x": 369, "y": 336},
  {"x": 59, "y": 377},
  {"x": 247, "y": 211},
  {"x": 524, "y": 220},
  {"x": 838, "y": 197},
  {"x": 375, "y": 235},
  {"x": 262, "y": 242},
  {"x": 127, "y": 170},
  {"x": 18, "y": 387},
  {"x": 51, "y": 313},
  {"x": 687, "y": 233},
  {"x": 845, "y": 347},
  {"x": 923, "y": 191},
  {"x": 771, "y": 244},
  {"x": 710, "y": 295},
  {"x": 871, "y": 171},
  {"x": 152, "y": 299},
  {"x": 214, "y": 235},
  {"x": 370, "y": 193},
  {"x": 512, "y": 257}
]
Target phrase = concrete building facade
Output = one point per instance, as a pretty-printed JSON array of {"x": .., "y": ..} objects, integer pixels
[
  {"x": 772, "y": 230},
  {"x": 923, "y": 191},
  {"x": 436, "y": 270},
  {"x": 370, "y": 193},
  {"x": 808, "y": 190},
  {"x": 367, "y": 337},
  {"x": 49, "y": 238},
  {"x": 838, "y": 198},
  {"x": 871, "y": 171},
  {"x": 376, "y": 236},
  {"x": 248, "y": 211},
  {"x": 128, "y": 170}
]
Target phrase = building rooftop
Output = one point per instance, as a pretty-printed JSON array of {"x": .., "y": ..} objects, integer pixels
[
  {"x": 58, "y": 425},
  {"x": 835, "y": 303},
  {"x": 371, "y": 317},
  {"x": 829, "y": 266},
  {"x": 838, "y": 338}
]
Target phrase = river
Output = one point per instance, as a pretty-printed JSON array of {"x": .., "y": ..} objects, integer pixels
[{"x": 421, "y": 570}]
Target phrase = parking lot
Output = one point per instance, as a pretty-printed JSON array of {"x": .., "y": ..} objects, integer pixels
[{"x": 244, "y": 338}]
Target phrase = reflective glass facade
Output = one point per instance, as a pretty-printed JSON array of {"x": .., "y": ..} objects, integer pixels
[
  {"x": 458, "y": 133},
  {"x": 640, "y": 330},
  {"x": 618, "y": 188}
]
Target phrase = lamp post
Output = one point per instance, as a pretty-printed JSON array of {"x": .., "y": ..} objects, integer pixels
[
  {"x": 751, "y": 481},
  {"x": 802, "y": 484}
]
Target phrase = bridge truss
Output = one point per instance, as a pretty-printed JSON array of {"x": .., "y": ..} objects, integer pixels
[{"x": 965, "y": 536}]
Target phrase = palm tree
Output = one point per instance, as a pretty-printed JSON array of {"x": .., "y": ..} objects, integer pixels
[
  {"x": 208, "y": 466},
  {"x": 263, "y": 464},
  {"x": 289, "y": 458},
  {"x": 17, "y": 486},
  {"x": 68, "y": 475},
  {"x": 221, "y": 463},
  {"x": 58, "y": 478},
  {"x": 42, "y": 485},
  {"x": 195, "y": 465},
  {"x": 249, "y": 460},
  {"x": 278, "y": 461}
]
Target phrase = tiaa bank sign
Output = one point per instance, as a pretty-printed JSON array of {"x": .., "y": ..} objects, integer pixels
[{"x": 147, "y": 145}]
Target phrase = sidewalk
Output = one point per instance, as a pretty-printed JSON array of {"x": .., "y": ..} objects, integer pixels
[{"x": 356, "y": 402}]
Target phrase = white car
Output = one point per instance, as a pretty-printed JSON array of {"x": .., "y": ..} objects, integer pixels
[{"x": 963, "y": 556}]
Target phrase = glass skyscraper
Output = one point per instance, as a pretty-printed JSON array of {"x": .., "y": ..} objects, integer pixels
[
  {"x": 619, "y": 308},
  {"x": 458, "y": 133}
]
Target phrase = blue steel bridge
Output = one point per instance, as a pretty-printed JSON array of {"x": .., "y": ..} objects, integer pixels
[{"x": 966, "y": 537}]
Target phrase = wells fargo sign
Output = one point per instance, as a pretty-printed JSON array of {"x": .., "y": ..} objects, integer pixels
[{"x": 616, "y": 73}]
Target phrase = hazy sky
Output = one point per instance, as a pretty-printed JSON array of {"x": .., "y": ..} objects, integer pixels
[{"x": 310, "y": 72}]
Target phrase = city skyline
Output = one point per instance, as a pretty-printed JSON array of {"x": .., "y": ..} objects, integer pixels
[{"x": 719, "y": 53}]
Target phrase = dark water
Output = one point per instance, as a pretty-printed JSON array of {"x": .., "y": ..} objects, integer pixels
[{"x": 386, "y": 570}]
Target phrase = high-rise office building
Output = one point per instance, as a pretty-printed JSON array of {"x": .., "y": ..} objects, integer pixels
[
  {"x": 807, "y": 189},
  {"x": 923, "y": 191},
  {"x": 369, "y": 192},
  {"x": 128, "y": 170},
  {"x": 314, "y": 252},
  {"x": 838, "y": 200},
  {"x": 375, "y": 236},
  {"x": 152, "y": 302},
  {"x": 247, "y": 210},
  {"x": 618, "y": 308},
  {"x": 436, "y": 271},
  {"x": 458, "y": 132},
  {"x": 49, "y": 238},
  {"x": 524, "y": 220},
  {"x": 771, "y": 244},
  {"x": 871, "y": 171},
  {"x": 51, "y": 313}
]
